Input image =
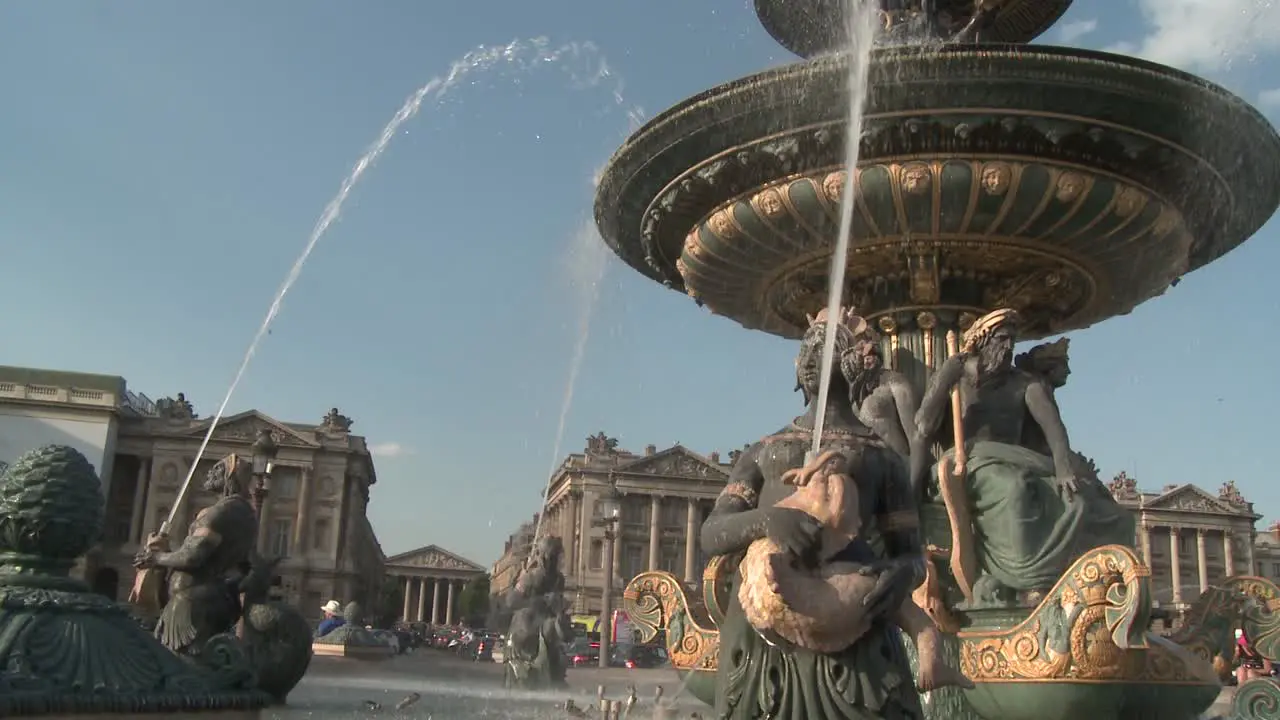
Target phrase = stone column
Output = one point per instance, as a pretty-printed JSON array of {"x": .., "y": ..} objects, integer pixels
[
  {"x": 408, "y": 597},
  {"x": 302, "y": 522},
  {"x": 571, "y": 539},
  {"x": 1229, "y": 555},
  {"x": 448, "y": 606},
  {"x": 435, "y": 601},
  {"x": 691, "y": 541},
  {"x": 655, "y": 513},
  {"x": 1248, "y": 553},
  {"x": 584, "y": 539},
  {"x": 615, "y": 551},
  {"x": 422, "y": 600},
  {"x": 1175, "y": 572},
  {"x": 1146, "y": 544},
  {"x": 139, "y": 511},
  {"x": 1202, "y": 560}
]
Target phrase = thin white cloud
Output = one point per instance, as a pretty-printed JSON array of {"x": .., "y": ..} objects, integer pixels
[
  {"x": 389, "y": 449},
  {"x": 1073, "y": 31},
  {"x": 1206, "y": 35},
  {"x": 1269, "y": 99}
]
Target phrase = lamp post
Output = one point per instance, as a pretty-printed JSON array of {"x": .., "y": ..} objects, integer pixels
[
  {"x": 610, "y": 508},
  {"x": 264, "y": 454}
]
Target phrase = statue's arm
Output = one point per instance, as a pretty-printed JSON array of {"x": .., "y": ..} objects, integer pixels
[
  {"x": 898, "y": 519},
  {"x": 735, "y": 522},
  {"x": 918, "y": 456},
  {"x": 194, "y": 552},
  {"x": 937, "y": 396},
  {"x": 1044, "y": 410}
]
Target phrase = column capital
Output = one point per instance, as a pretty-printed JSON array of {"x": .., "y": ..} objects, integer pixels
[{"x": 1202, "y": 532}]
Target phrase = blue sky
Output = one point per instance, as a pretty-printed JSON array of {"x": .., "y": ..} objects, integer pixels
[{"x": 161, "y": 165}]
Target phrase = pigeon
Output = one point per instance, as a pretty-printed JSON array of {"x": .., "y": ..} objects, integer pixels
[
  {"x": 573, "y": 710},
  {"x": 373, "y": 705},
  {"x": 411, "y": 699}
]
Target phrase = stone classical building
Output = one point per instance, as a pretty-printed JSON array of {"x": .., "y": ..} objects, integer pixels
[
  {"x": 1266, "y": 554},
  {"x": 1190, "y": 538},
  {"x": 506, "y": 570},
  {"x": 665, "y": 495},
  {"x": 435, "y": 573},
  {"x": 316, "y": 501}
]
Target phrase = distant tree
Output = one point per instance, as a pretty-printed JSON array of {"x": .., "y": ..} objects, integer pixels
[
  {"x": 473, "y": 601},
  {"x": 392, "y": 602}
]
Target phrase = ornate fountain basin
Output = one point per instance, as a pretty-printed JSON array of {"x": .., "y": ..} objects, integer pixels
[
  {"x": 1066, "y": 184},
  {"x": 1084, "y": 651}
]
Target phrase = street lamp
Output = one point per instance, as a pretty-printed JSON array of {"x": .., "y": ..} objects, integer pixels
[
  {"x": 264, "y": 454},
  {"x": 610, "y": 507}
]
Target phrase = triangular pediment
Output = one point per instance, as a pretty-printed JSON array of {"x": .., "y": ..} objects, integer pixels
[
  {"x": 244, "y": 428},
  {"x": 675, "y": 461},
  {"x": 433, "y": 557},
  {"x": 1189, "y": 498}
]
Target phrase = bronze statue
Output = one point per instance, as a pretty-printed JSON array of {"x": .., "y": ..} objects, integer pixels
[
  {"x": 539, "y": 624},
  {"x": 759, "y": 677},
  {"x": 821, "y": 608},
  {"x": 1015, "y": 464},
  {"x": 204, "y": 572},
  {"x": 883, "y": 399},
  {"x": 209, "y": 576}
]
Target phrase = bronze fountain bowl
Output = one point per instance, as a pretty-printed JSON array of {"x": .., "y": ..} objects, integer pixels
[
  {"x": 810, "y": 28},
  {"x": 1067, "y": 184}
]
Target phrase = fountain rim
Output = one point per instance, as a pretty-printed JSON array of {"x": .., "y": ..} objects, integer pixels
[
  {"x": 642, "y": 148},
  {"x": 882, "y": 56}
]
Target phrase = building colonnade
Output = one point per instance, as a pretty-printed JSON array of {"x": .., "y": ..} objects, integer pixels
[{"x": 443, "y": 592}]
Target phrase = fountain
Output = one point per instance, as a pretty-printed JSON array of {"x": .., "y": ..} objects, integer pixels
[
  {"x": 1054, "y": 186},
  {"x": 68, "y": 651}
]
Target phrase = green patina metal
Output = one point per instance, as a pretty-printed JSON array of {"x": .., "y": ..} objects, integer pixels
[
  {"x": 65, "y": 650},
  {"x": 1067, "y": 185}
]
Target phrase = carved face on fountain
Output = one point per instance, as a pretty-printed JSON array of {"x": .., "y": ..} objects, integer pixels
[
  {"x": 809, "y": 359},
  {"x": 1049, "y": 360},
  {"x": 995, "y": 352}
]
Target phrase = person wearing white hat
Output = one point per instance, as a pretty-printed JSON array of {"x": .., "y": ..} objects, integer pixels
[{"x": 332, "y": 618}]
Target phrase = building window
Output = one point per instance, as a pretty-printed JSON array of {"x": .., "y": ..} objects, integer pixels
[
  {"x": 284, "y": 482},
  {"x": 673, "y": 514},
  {"x": 635, "y": 562},
  {"x": 1275, "y": 570},
  {"x": 671, "y": 559},
  {"x": 596, "y": 558},
  {"x": 321, "y": 539},
  {"x": 281, "y": 530}
]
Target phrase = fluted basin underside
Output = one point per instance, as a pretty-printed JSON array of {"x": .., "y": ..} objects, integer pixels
[{"x": 1071, "y": 185}]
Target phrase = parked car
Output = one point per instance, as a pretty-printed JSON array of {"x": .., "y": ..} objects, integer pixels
[
  {"x": 638, "y": 657},
  {"x": 582, "y": 652}
]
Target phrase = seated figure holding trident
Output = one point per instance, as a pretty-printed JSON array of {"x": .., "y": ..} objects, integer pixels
[
  {"x": 1019, "y": 517},
  {"x": 821, "y": 608}
]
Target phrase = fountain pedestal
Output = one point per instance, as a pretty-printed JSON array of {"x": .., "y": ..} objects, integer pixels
[{"x": 66, "y": 651}]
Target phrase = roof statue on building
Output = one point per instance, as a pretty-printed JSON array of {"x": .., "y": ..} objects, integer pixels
[
  {"x": 1230, "y": 493},
  {"x": 336, "y": 422},
  {"x": 1123, "y": 487},
  {"x": 601, "y": 444},
  {"x": 176, "y": 408}
]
